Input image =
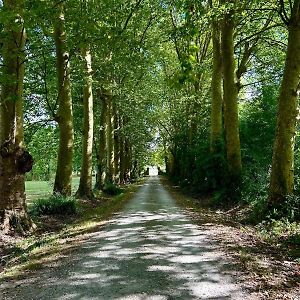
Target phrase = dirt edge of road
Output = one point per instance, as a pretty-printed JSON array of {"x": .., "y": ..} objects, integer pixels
[
  {"x": 57, "y": 236},
  {"x": 262, "y": 269}
]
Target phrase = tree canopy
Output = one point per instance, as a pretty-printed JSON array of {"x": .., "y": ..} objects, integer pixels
[{"x": 209, "y": 89}]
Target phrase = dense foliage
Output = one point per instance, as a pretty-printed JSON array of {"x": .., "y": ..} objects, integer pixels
[{"x": 149, "y": 69}]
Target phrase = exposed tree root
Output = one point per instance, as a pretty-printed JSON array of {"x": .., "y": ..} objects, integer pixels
[{"x": 15, "y": 221}]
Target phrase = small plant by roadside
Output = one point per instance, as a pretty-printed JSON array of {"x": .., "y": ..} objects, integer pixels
[
  {"x": 112, "y": 189},
  {"x": 280, "y": 230},
  {"x": 55, "y": 204}
]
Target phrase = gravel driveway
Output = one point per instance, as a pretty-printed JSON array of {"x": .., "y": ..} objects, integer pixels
[{"x": 150, "y": 250}]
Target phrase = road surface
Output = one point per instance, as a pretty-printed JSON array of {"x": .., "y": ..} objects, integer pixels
[{"x": 150, "y": 250}]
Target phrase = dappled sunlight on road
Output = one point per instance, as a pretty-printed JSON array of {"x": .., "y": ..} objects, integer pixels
[{"x": 151, "y": 250}]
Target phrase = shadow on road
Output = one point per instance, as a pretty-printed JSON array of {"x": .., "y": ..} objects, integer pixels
[{"x": 151, "y": 250}]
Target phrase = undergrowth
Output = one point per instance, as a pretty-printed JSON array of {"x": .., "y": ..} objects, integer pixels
[
  {"x": 55, "y": 204},
  {"x": 36, "y": 250},
  {"x": 112, "y": 189},
  {"x": 280, "y": 230}
]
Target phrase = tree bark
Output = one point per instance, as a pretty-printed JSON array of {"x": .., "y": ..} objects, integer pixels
[
  {"x": 282, "y": 174},
  {"x": 20, "y": 102},
  {"x": 127, "y": 160},
  {"x": 122, "y": 153},
  {"x": 122, "y": 161},
  {"x": 63, "y": 178},
  {"x": 216, "y": 135},
  {"x": 85, "y": 183},
  {"x": 116, "y": 146},
  {"x": 231, "y": 117},
  {"x": 101, "y": 159},
  {"x": 13, "y": 212},
  {"x": 110, "y": 140}
]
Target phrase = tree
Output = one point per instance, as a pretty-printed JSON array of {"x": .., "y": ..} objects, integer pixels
[
  {"x": 14, "y": 160},
  {"x": 64, "y": 116},
  {"x": 282, "y": 174},
  {"x": 109, "y": 179},
  {"x": 117, "y": 145},
  {"x": 102, "y": 148},
  {"x": 216, "y": 135},
  {"x": 231, "y": 117},
  {"x": 85, "y": 184}
]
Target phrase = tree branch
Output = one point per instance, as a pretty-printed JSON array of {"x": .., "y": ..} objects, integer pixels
[
  {"x": 282, "y": 13},
  {"x": 175, "y": 39},
  {"x": 130, "y": 15},
  {"x": 147, "y": 27},
  {"x": 52, "y": 110}
]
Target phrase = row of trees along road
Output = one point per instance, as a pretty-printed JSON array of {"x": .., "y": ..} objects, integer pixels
[{"x": 93, "y": 84}]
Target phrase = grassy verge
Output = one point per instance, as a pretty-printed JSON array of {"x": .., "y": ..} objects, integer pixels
[
  {"x": 41, "y": 189},
  {"x": 56, "y": 236}
]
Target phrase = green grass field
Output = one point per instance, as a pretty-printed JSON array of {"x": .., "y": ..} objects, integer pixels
[{"x": 42, "y": 189}]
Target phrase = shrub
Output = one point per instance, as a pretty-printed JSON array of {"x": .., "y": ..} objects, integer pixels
[
  {"x": 280, "y": 231},
  {"x": 255, "y": 194},
  {"x": 288, "y": 209},
  {"x": 111, "y": 189},
  {"x": 56, "y": 204}
]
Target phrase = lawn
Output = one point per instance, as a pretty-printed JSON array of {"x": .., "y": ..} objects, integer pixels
[{"x": 42, "y": 189}]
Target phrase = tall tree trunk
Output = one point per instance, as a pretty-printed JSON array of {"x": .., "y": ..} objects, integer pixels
[
  {"x": 13, "y": 213},
  {"x": 85, "y": 184},
  {"x": 231, "y": 117},
  {"x": 122, "y": 153},
  {"x": 110, "y": 140},
  {"x": 216, "y": 92},
  {"x": 20, "y": 102},
  {"x": 282, "y": 174},
  {"x": 127, "y": 161},
  {"x": 193, "y": 123},
  {"x": 125, "y": 156},
  {"x": 122, "y": 160},
  {"x": 63, "y": 178},
  {"x": 101, "y": 159},
  {"x": 116, "y": 146}
]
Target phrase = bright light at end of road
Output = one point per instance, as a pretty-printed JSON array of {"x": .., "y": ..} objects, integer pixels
[{"x": 153, "y": 171}]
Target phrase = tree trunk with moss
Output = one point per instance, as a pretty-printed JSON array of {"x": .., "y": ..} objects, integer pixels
[
  {"x": 282, "y": 174},
  {"x": 231, "y": 117},
  {"x": 64, "y": 117},
  {"x": 85, "y": 183},
  {"x": 122, "y": 153},
  {"x": 116, "y": 146},
  {"x": 125, "y": 160},
  {"x": 101, "y": 159},
  {"x": 20, "y": 102},
  {"x": 110, "y": 140},
  {"x": 14, "y": 161},
  {"x": 122, "y": 160},
  {"x": 128, "y": 160},
  {"x": 216, "y": 92}
]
